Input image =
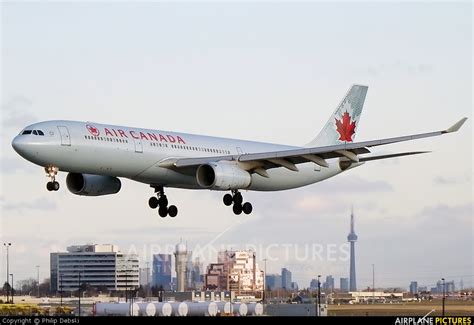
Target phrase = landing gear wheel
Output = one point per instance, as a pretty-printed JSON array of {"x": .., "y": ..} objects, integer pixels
[
  {"x": 163, "y": 201},
  {"x": 228, "y": 199},
  {"x": 173, "y": 211},
  {"x": 163, "y": 212},
  {"x": 51, "y": 172},
  {"x": 238, "y": 199},
  {"x": 247, "y": 208},
  {"x": 153, "y": 202},
  {"x": 237, "y": 208}
]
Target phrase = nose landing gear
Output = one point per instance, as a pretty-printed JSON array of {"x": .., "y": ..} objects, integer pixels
[
  {"x": 51, "y": 172},
  {"x": 161, "y": 202},
  {"x": 236, "y": 199}
]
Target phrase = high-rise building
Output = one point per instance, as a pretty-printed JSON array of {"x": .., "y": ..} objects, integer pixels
[
  {"x": 100, "y": 266},
  {"x": 181, "y": 260},
  {"x": 329, "y": 284},
  {"x": 352, "y": 238},
  {"x": 344, "y": 284},
  {"x": 294, "y": 286},
  {"x": 439, "y": 287},
  {"x": 413, "y": 287},
  {"x": 313, "y": 285},
  {"x": 235, "y": 271},
  {"x": 286, "y": 279},
  {"x": 273, "y": 281},
  {"x": 161, "y": 275},
  {"x": 145, "y": 278},
  {"x": 196, "y": 277}
]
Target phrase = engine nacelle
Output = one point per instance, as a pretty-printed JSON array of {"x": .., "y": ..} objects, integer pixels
[
  {"x": 222, "y": 175},
  {"x": 92, "y": 185}
]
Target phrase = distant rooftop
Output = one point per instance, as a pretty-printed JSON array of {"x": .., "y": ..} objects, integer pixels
[{"x": 95, "y": 248}]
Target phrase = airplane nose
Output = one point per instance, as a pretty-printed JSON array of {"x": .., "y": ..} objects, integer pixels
[
  {"x": 19, "y": 145},
  {"x": 16, "y": 144}
]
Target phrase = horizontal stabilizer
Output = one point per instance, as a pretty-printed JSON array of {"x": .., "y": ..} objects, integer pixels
[{"x": 393, "y": 155}]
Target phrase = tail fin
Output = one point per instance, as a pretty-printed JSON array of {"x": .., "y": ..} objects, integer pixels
[{"x": 344, "y": 122}]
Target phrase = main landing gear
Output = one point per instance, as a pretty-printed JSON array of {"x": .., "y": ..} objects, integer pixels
[
  {"x": 236, "y": 199},
  {"x": 51, "y": 172},
  {"x": 161, "y": 202}
]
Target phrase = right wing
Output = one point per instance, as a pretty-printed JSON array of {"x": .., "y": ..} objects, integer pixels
[{"x": 260, "y": 162}]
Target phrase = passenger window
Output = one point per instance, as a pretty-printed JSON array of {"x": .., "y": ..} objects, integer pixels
[
  {"x": 40, "y": 132},
  {"x": 34, "y": 132}
]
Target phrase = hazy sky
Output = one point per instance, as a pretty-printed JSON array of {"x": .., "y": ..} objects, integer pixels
[{"x": 270, "y": 72}]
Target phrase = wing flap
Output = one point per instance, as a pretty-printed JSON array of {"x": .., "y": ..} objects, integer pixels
[{"x": 393, "y": 155}]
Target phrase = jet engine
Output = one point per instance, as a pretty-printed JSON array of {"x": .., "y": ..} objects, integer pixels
[
  {"x": 222, "y": 175},
  {"x": 92, "y": 185}
]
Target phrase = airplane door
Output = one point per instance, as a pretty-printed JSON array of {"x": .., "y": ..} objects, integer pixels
[
  {"x": 65, "y": 138},
  {"x": 138, "y": 145},
  {"x": 239, "y": 151}
]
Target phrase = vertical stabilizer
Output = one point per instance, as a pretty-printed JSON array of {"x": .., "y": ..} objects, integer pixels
[{"x": 343, "y": 124}]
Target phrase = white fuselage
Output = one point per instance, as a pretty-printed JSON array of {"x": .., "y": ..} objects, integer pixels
[{"x": 93, "y": 148}]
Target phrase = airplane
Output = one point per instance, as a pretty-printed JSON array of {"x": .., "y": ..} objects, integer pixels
[{"x": 96, "y": 155}]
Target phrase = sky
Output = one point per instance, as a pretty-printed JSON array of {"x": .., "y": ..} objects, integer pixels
[{"x": 268, "y": 71}]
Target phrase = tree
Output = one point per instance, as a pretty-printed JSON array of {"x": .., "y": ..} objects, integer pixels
[
  {"x": 28, "y": 286},
  {"x": 6, "y": 288},
  {"x": 45, "y": 287}
]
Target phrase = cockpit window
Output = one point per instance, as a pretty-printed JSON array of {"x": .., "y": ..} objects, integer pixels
[{"x": 35, "y": 132}]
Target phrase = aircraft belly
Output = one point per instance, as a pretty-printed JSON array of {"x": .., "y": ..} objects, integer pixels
[
  {"x": 167, "y": 177},
  {"x": 102, "y": 161}
]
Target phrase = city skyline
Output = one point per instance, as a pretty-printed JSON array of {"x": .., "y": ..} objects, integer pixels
[
  {"x": 223, "y": 72},
  {"x": 163, "y": 262}
]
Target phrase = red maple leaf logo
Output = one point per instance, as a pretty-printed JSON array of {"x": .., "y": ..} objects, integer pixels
[
  {"x": 346, "y": 128},
  {"x": 93, "y": 130}
]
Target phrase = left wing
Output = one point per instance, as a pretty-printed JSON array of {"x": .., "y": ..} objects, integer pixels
[{"x": 259, "y": 162}]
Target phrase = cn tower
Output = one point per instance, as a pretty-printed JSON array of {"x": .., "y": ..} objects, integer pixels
[{"x": 352, "y": 238}]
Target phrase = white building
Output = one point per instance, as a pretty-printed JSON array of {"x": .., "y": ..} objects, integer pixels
[
  {"x": 99, "y": 266},
  {"x": 181, "y": 259}
]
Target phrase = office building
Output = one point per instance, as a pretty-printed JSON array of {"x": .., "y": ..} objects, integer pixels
[
  {"x": 100, "y": 266},
  {"x": 161, "y": 271},
  {"x": 285, "y": 279},
  {"x": 273, "y": 281},
  {"x": 328, "y": 286},
  {"x": 344, "y": 284},
  {"x": 413, "y": 287}
]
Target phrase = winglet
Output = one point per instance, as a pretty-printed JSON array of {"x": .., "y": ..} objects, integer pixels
[{"x": 456, "y": 126}]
